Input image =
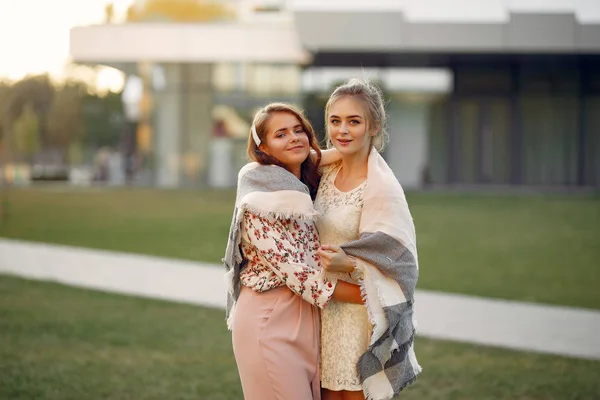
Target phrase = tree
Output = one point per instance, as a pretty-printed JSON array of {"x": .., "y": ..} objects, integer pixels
[
  {"x": 68, "y": 118},
  {"x": 179, "y": 10},
  {"x": 103, "y": 120},
  {"x": 109, "y": 12},
  {"x": 37, "y": 92},
  {"x": 5, "y": 96},
  {"x": 25, "y": 134},
  {"x": 65, "y": 117}
]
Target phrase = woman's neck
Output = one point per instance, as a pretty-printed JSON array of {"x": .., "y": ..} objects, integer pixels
[
  {"x": 296, "y": 170},
  {"x": 354, "y": 166}
]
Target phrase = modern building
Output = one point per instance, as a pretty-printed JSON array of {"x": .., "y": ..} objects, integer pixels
[{"x": 502, "y": 92}]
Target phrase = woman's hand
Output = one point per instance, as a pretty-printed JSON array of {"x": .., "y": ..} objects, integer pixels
[{"x": 334, "y": 259}]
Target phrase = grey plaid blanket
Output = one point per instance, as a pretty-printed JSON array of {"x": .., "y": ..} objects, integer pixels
[{"x": 387, "y": 256}]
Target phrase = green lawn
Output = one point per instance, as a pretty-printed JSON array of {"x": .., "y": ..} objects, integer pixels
[
  {"x": 523, "y": 247},
  {"x": 62, "y": 343}
]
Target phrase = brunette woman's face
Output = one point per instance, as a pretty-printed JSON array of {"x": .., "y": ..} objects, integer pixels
[
  {"x": 286, "y": 140},
  {"x": 347, "y": 127}
]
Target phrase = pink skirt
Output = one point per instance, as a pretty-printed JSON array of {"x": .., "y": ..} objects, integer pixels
[{"x": 276, "y": 345}]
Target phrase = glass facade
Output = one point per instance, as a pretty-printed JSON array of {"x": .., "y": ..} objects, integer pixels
[
  {"x": 203, "y": 114},
  {"x": 526, "y": 123},
  {"x": 506, "y": 123},
  {"x": 240, "y": 90}
]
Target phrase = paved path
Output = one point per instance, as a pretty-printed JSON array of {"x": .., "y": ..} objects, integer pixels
[{"x": 524, "y": 326}]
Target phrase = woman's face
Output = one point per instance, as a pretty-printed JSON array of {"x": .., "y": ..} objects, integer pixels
[
  {"x": 286, "y": 140},
  {"x": 347, "y": 127}
]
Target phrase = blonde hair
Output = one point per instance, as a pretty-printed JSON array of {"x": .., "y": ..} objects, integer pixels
[{"x": 371, "y": 99}]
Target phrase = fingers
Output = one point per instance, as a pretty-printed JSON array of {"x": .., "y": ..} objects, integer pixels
[
  {"x": 324, "y": 255},
  {"x": 324, "y": 252},
  {"x": 332, "y": 248}
]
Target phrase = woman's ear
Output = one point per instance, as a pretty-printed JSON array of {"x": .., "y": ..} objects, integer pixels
[
  {"x": 375, "y": 130},
  {"x": 264, "y": 149}
]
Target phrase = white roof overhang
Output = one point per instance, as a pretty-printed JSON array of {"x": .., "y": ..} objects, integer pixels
[{"x": 187, "y": 43}]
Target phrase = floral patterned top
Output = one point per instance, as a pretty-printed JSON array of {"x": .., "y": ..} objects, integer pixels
[{"x": 283, "y": 252}]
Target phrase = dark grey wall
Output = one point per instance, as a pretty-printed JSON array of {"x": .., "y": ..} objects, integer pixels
[{"x": 322, "y": 31}]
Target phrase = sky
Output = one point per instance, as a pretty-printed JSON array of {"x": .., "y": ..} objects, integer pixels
[{"x": 34, "y": 36}]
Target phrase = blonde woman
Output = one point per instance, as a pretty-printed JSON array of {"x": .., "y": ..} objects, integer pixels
[{"x": 368, "y": 238}]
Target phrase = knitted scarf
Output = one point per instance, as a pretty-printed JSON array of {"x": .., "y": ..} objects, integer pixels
[
  {"x": 264, "y": 190},
  {"x": 387, "y": 255}
]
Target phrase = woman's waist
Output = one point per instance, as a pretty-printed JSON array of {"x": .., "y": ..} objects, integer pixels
[
  {"x": 261, "y": 282},
  {"x": 272, "y": 290}
]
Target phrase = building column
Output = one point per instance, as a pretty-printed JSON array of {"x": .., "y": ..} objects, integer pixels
[
  {"x": 198, "y": 124},
  {"x": 407, "y": 151},
  {"x": 167, "y": 132},
  {"x": 183, "y": 125}
]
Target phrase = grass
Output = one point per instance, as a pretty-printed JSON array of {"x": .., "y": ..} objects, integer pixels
[
  {"x": 62, "y": 343},
  {"x": 522, "y": 247},
  {"x": 181, "y": 224}
]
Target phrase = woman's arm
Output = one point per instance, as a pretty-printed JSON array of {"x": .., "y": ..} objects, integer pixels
[
  {"x": 301, "y": 273},
  {"x": 334, "y": 259},
  {"x": 347, "y": 293},
  {"x": 328, "y": 156}
]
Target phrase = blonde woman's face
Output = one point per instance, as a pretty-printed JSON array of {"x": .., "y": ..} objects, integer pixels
[
  {"x": 347, "y": 126},
  {"x": 286, "y": 140}
]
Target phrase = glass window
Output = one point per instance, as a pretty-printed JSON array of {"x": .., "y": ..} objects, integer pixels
[{"x": 224, "y": 77}]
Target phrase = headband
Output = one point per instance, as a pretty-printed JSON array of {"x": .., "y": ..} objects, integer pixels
[{"x": 255, "y": 136}]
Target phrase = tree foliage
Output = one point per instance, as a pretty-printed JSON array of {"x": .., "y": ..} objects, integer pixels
[
  {"x": 36, "y": 92},
  {"x": 65, "y": 119},
  {"x": 37, "y": 114},
  {"x": 25, "y": 137},
  {"x": 178, "y": 10},
  {"x": 109, "y": 12},
  {"x": 103, "y": 120},
  {"x": 5, "y": 95}
]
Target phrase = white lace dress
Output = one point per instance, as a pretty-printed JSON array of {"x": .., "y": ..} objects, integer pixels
[{"x": 345, "y": 327}]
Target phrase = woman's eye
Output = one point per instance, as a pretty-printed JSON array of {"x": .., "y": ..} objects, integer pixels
[
  {"x": 354, "y": 122},
  {"x": 298, "y": 131}
]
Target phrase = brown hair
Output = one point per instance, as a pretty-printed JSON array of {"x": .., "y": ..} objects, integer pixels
[
  {"x": 369, "y": 95},
  {"x": 309, "y": 173}
]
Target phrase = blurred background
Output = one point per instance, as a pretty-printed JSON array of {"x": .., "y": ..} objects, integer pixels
[
  {"x": 123, "y": 125},
  {"x": 161, "y": 93}
]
